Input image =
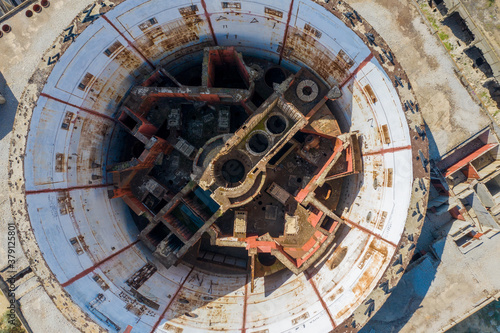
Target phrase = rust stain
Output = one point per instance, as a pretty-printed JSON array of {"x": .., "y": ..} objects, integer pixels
[
  {"x": 127, "y": 60},
  {"x": 95, "y": 113},
  {"x": 172, "y": 329},
  {"x": 312, "y": 31},
  {"x": 385, "y": 151},
  {"x": 335, "y": 294},
  {"x": 379, "y": 253},
  {"x": 370, "y": 93},
  {"x": 300, "y": 318},
  {"x": 368, "y": 254},
  {"x": 165, "y": 38},
  {"x": 90, "y": 269},
  {"x": 316, "y": 291},
  {"x": 274, "y": 12},
  {"x": 285, "y": 35},
  {"x": 129, "y": 43},
  {"x": 306, "y": 49},
  {"x": 67, "y": 120},
  {"x": 389, "y": 177},
  {"x": 171, "y": 301},
  {"x": 353, "y": 224},
  {"x": 49, "y": 190},
  {"x": 356, "y": 71},
  {"x": 337, "y": 256},
  {"x": 245, "y": 305},
  {"x": 59, "y": 167},
  {"x": 385, "y": 134}
]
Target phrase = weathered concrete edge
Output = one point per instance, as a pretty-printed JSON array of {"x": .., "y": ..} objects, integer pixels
[{"x": 61, "y": 299}]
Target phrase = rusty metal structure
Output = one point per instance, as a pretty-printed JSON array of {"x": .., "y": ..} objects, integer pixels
[{"x": 197, "y": 166}]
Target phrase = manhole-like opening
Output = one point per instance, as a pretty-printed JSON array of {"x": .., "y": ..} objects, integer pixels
[
  {"x": 29, "y": 13},
  {"x": 258, "y": 143},
  {"x": 266, "y": 259},
  {"x": 233, "y": 171},
  {"x": 274, "y": 75},
  {"x": 307, "y": 90},
  {"x": 276, "y": 124}
]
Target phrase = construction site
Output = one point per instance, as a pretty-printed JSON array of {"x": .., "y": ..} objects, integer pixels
[{"x": 250, "y": 166}]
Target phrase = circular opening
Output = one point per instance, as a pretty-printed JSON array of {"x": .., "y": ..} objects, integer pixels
[
  {"x": 45, "y": 3},
  {"x": 6, "y": 28},
  {"x": 266, "y": 259},
  {"x": 258, "y": 143},
  {"x": 233, "y": 171},
  {"x": 29, "y": 13},
  {"x": 274, "y": 75},
  {"x": 307, "y": 90},
  {"x": 37, "y": 8},
  {"x": 276, "y": 124}
]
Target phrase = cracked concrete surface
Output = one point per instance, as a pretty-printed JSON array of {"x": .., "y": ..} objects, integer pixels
[{"x": 449, "y": 111}]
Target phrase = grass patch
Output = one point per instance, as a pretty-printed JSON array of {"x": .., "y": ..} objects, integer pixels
[
  {"x": 443, "y": 36},
  {"x": 448, "y": 46},
  {"x": 490, "y": 2},
  {"x": 432, "y": 21}
]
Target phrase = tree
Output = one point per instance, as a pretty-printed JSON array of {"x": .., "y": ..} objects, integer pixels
[{"x": 10, "y": 325}]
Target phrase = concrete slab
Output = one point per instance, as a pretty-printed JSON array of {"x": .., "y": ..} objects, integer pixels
[{"x": 449, "y": 111}]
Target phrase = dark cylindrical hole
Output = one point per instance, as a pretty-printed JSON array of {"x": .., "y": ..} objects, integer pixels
[
  {"x": 276, "y": 124},
  {"x": 258, "y": 143},
  {"x": 274, "y": 75},
  {"x": 137, "y": 149},
  {"x": 37, "y": 8},
  {"x": 307, "y": 90},
  {"x": 233, "y": 171},
  {"x": 45, "y": 3},
  {"x": 266, "y": 259},
  {"x": 6, "y": 28},
  {"x": 29, "y": 13}
]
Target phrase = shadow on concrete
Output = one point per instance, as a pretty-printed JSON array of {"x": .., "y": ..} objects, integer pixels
[
  {"x": 433, "y": 149},
  {"x": 494, "y": 88},
  {"x": 479, "y": 61},
  {"x": 406, "y": 297},
  {"x": 8, "y": 110},
  {"x": 459, "y": 28}
]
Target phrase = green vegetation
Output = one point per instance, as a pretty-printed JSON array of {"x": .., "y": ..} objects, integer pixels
[
  {"x": 10, "y": 325},
  {"x": 433, "y": 22},
  {"x": 443, "y": 36},
  {"x": 448, "y": 46},
  {"x": 490, "y": 2}
]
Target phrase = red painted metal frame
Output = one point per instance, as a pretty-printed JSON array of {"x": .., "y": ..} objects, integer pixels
[{"x": 459, "y": 165}]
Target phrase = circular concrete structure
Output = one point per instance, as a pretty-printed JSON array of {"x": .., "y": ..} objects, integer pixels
[{"x": 84, "y": 246}]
